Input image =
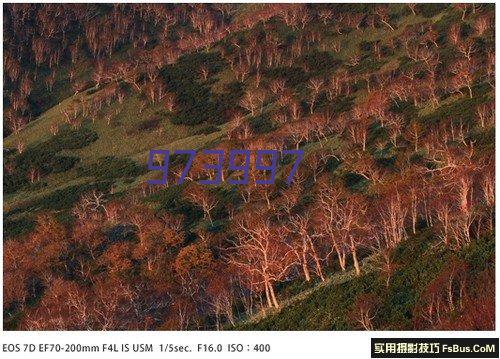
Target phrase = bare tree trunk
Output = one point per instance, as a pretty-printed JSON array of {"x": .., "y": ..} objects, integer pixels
[
  {"x": 341, "y": 258},
  {"x": 304, "y": 266},
  {"x": 450, "y": 295},
  {"x": 268, "y": 298},
  {"x": 356, "y": 262},
  {"x": 342, "y": 261},
  {"x": 316, "y": 261},
  {"x": 268, "y": 200},
  {"x": 217, "y": 321},
  {"x": 209, "y": 216},
  {"x": 340, "y": 255},
  {"x": 273, "y": 296}
]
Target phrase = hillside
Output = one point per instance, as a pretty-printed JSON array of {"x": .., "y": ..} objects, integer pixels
[
  {"x": 387, "y": 224},
  {"x": 331, "y": 305}
]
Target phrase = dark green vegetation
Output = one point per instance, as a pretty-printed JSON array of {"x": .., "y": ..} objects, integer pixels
[{"x": 45, "y": 157}]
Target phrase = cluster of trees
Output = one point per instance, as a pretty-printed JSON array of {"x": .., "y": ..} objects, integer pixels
[
  {"x": 390, "y": 150},
  {"x": 40, "y": 40}
]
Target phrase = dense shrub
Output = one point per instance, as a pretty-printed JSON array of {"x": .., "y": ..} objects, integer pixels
[
  {"x": 320, "y": 62},
  {"x": 17, "y": 227},
  {"x": 292, "y": 75},
  {"x": 72, "y": 139},
  {"x": 172, "y": 201},
  {"x": 110, "y": 167},
  {"x": 429, "y": 10},
  {"x": 206, "y": 130},
  {"x": 195, "y": 101},
  {"x": 63, "y": 163},
  {"x": 261, "y": 124},
  {"x": 150, "y": 124},
  {"x": 44, "y": 157}
]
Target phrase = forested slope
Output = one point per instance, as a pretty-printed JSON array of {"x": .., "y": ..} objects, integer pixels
[{"x": 392, "y": 105}]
